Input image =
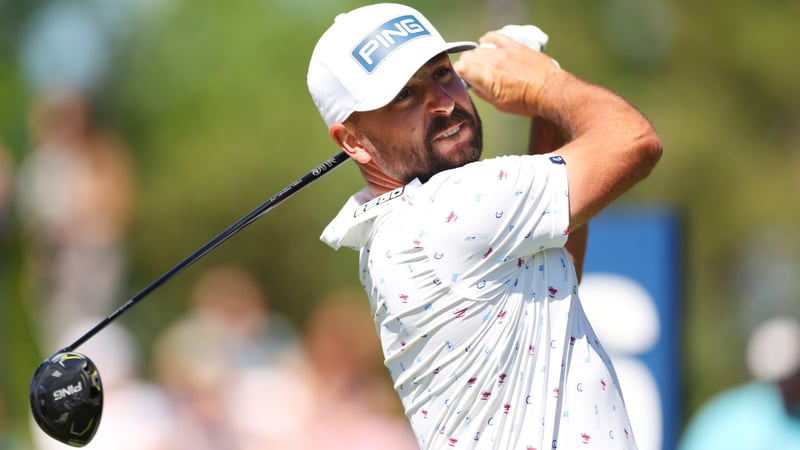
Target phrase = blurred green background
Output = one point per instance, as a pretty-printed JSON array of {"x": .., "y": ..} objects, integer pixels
[{"x": 211, "y": 98}]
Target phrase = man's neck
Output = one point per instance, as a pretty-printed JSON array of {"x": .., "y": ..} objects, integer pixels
[{"x": 377, "y": 181}]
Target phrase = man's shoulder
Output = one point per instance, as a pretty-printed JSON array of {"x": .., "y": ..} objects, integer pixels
[{"x": 510, "y": 171}]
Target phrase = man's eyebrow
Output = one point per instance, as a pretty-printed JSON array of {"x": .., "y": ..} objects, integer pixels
[{"x": 438, "y": 58}]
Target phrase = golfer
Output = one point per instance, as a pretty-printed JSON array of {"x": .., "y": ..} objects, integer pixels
[{"x": 467, "y": 262}]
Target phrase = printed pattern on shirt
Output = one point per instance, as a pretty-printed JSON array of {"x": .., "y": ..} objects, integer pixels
[{"x": 475, "y": 302}]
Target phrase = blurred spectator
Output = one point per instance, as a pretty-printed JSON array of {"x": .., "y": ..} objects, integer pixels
[
  {"x": 763, "y": 413},
  {"x": 230, "y": 367},
  {"x": 136, "y": 412},
  {"x": 8, "y": 438},
  {"x": 6, "y": 183},
  {"x": 5, "y": 189},
  {"x": 6, "y": 174},
  {"x": 354, "y": 406},
  {"x": 75, "y": 199},
  {"x": 240, "y": 378}
]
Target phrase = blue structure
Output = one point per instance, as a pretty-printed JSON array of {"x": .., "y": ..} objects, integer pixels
[{"x": 645, "y": 245}]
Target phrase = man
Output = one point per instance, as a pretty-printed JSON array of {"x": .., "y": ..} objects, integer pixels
[
  {"x": 473, "y": 293},
  {"x": 763, "y": 412}
]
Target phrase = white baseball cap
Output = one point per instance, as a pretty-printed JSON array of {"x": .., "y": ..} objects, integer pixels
[{"x": 366, "y": 57}]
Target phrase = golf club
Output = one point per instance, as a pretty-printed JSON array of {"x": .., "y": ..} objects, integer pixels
[{"x": 66, "y": 393}]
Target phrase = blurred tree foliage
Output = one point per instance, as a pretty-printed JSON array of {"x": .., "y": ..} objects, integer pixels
[{"x": 212, "y": 97}]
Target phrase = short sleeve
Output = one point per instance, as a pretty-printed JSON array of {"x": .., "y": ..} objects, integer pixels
[{"x": 491, "y": 215}]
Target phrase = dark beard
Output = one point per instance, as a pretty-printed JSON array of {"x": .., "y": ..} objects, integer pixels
[
  {"x": 438, "y": 163},
  {"x": 405, "y": 161}
]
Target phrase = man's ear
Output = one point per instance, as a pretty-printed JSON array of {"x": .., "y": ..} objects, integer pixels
[{"x": 350, "y": 143}]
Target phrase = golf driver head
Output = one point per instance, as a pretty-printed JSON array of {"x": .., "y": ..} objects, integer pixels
[{"x": 67, "y": 398}]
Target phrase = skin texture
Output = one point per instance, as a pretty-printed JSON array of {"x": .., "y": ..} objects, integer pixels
[
  {"x": 432, "y": 125},
  {"x": 409, "y": 137},
  {"x": 611, "y": 145}
]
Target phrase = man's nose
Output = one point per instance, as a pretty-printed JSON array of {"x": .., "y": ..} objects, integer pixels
[{"x": 440, "y": 101}]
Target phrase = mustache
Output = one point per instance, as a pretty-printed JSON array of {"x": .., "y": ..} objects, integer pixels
[{"x": 440, "y": 123}]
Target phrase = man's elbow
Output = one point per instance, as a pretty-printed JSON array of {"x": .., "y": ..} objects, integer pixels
[{"x": 649, "y": 149}]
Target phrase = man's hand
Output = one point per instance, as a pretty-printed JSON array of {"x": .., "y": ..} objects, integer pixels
[{"x": 505, "y": 73}]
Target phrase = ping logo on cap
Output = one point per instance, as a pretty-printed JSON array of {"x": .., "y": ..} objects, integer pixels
[{"x": 385, "y": 39}]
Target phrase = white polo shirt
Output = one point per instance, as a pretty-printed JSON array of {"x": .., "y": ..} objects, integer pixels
[{"x": 475, "y": 301}]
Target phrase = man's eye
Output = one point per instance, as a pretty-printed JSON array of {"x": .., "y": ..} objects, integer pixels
[
  {"x": 404, "y": 94},
  {"x": 443, "y": 72}
]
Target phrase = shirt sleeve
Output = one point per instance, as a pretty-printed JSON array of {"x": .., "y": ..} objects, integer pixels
[{"x": 490, "y": 216}]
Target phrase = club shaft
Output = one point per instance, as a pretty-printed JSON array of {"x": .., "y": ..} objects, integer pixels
[{"x": 312, "y": 176}]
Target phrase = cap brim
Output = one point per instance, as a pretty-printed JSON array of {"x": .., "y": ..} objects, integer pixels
[{"x": 399, "y": 76}]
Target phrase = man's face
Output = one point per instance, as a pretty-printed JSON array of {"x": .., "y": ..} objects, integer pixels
[{"x": 430, "y": 126}]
